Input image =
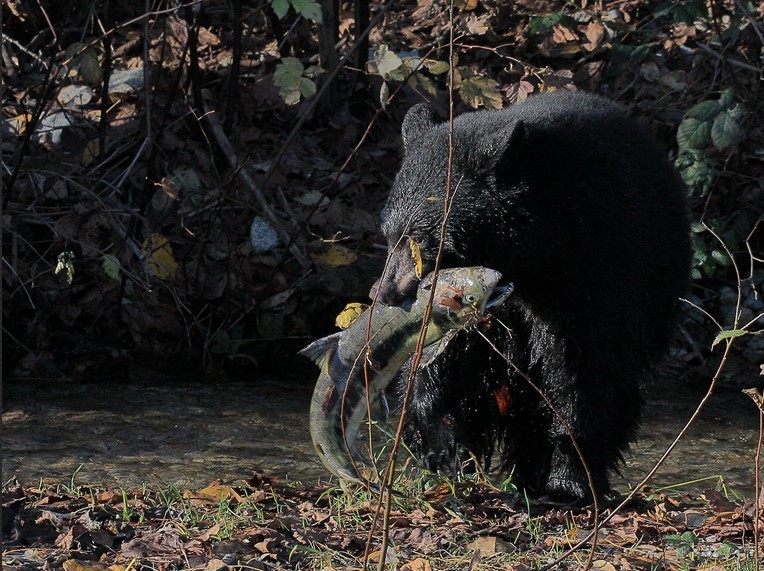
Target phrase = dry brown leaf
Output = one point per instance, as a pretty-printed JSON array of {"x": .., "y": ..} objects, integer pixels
[
  {"x": 74, "y": 565},
  {"x": 207, "y": 533},
  {"x": 418, "y": 564},
  {"x": 215, "y": 493},
  {"x": 562, "y": 34},
  {"x": 595, "y": 33},
  {"x": 602, "y": 565},
  {"x": 215, "y": 565},
  {"x": 263, "y": 546},
  {"x": 491, "y": 545}
]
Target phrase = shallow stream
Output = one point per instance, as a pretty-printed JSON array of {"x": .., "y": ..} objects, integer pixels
[{"x": 190, "y": 433}]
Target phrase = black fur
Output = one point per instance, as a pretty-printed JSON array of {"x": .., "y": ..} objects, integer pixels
[{"x": 576, "y": 205}]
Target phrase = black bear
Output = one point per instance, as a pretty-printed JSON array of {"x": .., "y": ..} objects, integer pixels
[{"x": 578, "y": 206}]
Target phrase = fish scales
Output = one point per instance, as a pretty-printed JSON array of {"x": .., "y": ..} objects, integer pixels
[{"x": 341, "y": 398}]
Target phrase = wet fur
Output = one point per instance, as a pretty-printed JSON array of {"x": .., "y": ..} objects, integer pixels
[{"x": 578, "y": 206}]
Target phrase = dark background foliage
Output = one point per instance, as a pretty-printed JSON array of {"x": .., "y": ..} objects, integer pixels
[{"x": 197, "y": 185}]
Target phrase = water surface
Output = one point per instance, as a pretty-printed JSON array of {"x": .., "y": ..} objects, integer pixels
[{"x": 193, "y": 432}]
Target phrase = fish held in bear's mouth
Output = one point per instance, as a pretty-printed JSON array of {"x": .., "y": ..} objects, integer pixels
[{"x": 340, "y": 400}]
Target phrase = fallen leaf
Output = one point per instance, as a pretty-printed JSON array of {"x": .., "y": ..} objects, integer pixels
[
  {"x": 74, "y": 565},
  {"x": 16, "y": 126},
  {"x": 602, "y": 565},
  {"x": 491, "y": 545},
  {"x": 418, "y": 564},
  {"x": 216, "y": 493},
  {"x": 595, "y": 33},
  {"x": 336, "y": 256},
  {"x": 159, "y": 255},
  {"x": 349, "y": 314}
]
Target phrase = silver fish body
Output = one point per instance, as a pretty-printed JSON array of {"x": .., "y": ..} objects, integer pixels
[{"x": 383, "y": 340}]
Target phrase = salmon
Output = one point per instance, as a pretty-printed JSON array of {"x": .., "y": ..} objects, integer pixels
[{"x": 380, "y": 342}]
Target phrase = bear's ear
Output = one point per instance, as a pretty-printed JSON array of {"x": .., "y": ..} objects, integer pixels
[
  {"x": 500, "y": 145},
  {"x": 419, "y": 119}
]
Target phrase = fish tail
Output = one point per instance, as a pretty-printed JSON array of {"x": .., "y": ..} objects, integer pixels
[{"x": 321, "y": 350}]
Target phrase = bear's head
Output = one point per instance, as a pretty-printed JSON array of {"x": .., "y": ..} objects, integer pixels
[{"x": 475, "y": 209}]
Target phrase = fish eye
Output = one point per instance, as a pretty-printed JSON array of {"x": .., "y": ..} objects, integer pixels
[{"x": 470, "y": 298}]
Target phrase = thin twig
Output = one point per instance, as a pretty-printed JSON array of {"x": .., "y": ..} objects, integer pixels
[
  {"x": 317, "y": 97},
  {"x": 107, "y": 65},
  {"x": 387, "y": 483},
  {"x": 570, "y": 435},
  {"x": 31, "y": 54},
  {"x": 710, "y": 51},
  {"x": 242, "y": 171},
  {"x": 757, "y": 510},
  {"x": 728, "y": 346}
]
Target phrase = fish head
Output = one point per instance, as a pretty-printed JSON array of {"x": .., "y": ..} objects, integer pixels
[{"x": 461, "y": 294}]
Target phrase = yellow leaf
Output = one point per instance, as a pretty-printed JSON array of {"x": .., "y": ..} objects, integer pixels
[
  {"x": 416, "y": 255},
  {"x": 348, "y": 315},
  {"x": 466, "y": 5},
  {"x": 16, "y": 126},
  {"x": 335, "y": 256},
  {"x": 74, "y": 565},
  {"x": 158, "y": 252}
]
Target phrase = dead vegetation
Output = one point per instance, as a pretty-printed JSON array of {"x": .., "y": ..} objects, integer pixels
[{"x": 159, "y": 200}]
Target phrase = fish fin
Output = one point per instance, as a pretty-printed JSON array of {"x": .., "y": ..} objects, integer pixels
[
  {"x": 321, "y": 350},
  {"x": 431, "y": 352}
]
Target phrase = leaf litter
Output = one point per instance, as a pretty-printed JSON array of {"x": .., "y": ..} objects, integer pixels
[{"x": 263, "y": 523}]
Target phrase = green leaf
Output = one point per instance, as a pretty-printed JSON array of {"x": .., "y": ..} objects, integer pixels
[
  {"x": 111, "y": 266},
  {"x": 641, "y": 53},
  {"x": 290, "y": 96},
  {"x": 721, "y": 258},
  {"x": 90, "y": 68},
  {"x": 436, "y": 67},
  {"x": 725, "y": 131},
  {"x": 386, "y": 61},
  {"x": 728, "y": 334},
  {"x": 476, "y": 91},
  {"x": 699, "y": 176},
  {"x": 421, "y": 80},
  {"x": 308, "y": 9},
  {"x": 619, "y": 53},
  {"x": 307, "y": 87},
  {"x": 663, "y": 9},
  {"x": 288, "y": 77},
  {"x": 288, "y": 71},
  {"x": 312, "y": 197},
  {"x": 185, "y": 179},
  {"x": 727, "y": 98},
  {"x": 704, "y": 111},
  {"x": 697, "y": 228},
  {"x": 542, "y": 24},
  {"x": 686, "y": 11},
  {"x": 693, "y": 134},
  {"x": 280, "y": 8}
]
